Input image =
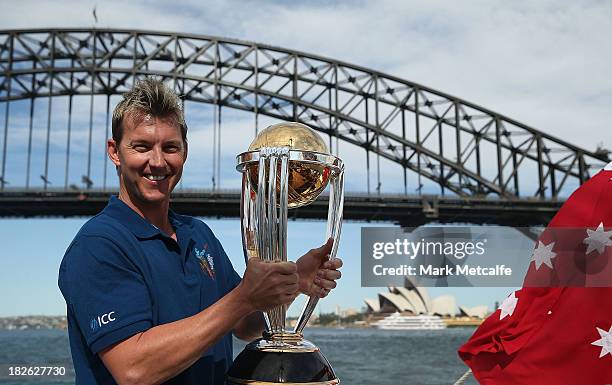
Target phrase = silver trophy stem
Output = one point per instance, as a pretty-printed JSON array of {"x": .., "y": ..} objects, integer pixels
[
  {"x": 248, "y": 224},
  {"x": 256, "y": 220},
  {"x": 260, "y": 213},
  {"x": 260, "y": 220},
  {"x": 284, "y": 205},
  {"x": 334, "y": 227},
  {"x": 246, "y": 218},
  {"x": 281, "y": 239},
  {"x": 276, "y": 314},
  {"x": 271, "y": 221},
  {"x": 334, "y": 214}
]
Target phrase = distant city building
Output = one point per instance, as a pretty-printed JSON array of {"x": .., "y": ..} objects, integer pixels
[
  {"x": 415, "y": 300},
  {"x": 348, "y": 312},
  {"x": 33, "y": 322}
]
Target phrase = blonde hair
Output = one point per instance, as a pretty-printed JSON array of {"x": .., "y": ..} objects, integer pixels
[{"x": 149, "y": 97}]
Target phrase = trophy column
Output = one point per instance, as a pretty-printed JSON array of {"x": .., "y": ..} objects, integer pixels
[
  {"x": 268, "y": 219},
  {"x": 334, "y": 227},
  {"x": 286, "y": 166}
]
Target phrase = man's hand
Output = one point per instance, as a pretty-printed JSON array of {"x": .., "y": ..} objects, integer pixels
[
  {"x": 269, "y": 284},
  {"x": 317, "y": 274}
]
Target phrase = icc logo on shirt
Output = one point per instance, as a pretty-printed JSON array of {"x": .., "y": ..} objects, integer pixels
[{"x": 101, "y": 320}]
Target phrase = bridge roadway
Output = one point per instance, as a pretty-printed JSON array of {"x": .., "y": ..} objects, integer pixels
[{"x": 399, "y": 209}]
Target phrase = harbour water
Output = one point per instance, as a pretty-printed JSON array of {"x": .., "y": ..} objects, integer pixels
[{"x": 359, "y": 356}]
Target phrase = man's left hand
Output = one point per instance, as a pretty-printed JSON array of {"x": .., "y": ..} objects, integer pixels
[{"x": 317, "y": 274}]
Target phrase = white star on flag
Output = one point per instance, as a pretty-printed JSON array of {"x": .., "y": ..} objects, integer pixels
[
  {"x": 507, "y": 307},
  {"x": 598, "y": 239},
  {"x": 605, "y": 342},
  {"x": 543, "y": 255}
]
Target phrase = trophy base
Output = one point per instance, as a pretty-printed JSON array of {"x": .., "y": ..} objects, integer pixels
[{"x": 288, "y": 360}]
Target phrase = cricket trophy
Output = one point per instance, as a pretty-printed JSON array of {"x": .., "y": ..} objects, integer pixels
[{"x": 287, "y": 166}]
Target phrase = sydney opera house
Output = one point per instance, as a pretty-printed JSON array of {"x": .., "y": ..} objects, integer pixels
[{"x": 411, "y": 299}]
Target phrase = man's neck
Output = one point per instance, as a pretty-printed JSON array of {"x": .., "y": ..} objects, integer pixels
[{"x": 156, "y": 213}]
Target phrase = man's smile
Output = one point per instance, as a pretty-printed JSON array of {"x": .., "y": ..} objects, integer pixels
[{"x": 155, "y": 178}]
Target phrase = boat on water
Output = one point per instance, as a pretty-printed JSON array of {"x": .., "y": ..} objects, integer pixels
[{"x": 397, "y": 321}]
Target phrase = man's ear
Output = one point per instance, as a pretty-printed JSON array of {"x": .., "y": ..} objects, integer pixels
[
  {"x": 186, "y": 148},
  {"x": 112, "y": 149}
]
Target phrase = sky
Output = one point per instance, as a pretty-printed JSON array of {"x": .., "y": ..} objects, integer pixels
[{"x": 545, "y": 64}]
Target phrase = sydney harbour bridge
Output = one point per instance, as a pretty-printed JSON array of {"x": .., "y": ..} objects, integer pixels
[{"x": 444, "y": 158}]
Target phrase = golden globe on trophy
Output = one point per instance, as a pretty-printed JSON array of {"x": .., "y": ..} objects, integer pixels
[{"x": 287, "y": 166}]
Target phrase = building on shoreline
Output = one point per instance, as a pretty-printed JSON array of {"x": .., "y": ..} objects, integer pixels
[
  {"x": 415, "y": 300},
  {"x": 33, "y": 322}
]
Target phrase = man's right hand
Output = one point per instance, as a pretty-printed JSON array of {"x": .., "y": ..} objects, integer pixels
[{"x": 269, "y": 284}]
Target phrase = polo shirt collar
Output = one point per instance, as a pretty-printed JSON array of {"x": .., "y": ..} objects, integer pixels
[
  {"x": 120, "y": 211},
  {"x": 175, "y": 221}
]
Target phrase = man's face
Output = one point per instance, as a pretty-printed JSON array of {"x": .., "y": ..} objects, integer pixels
[{"x": 149, "y": 158}]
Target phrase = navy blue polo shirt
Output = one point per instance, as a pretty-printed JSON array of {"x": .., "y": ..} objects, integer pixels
[{"x": 121, "y": 275}]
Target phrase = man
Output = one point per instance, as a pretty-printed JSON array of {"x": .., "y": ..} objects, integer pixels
[{"x": 151, "y": 295}]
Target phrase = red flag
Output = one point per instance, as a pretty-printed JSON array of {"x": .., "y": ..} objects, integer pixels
[{"x": 561, "y": 334}]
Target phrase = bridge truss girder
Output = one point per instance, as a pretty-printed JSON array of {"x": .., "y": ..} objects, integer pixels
[
  {"x": 466, "y": 149},
  {"x": 407, "y": 211}
]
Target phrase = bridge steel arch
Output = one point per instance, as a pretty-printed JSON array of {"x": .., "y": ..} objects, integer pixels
[{"x": 468, "y": 150}]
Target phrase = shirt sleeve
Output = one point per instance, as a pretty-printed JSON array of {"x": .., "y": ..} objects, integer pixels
[{"x": 105, "y": 291}]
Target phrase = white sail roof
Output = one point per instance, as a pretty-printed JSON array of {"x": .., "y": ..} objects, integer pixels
[
  {"x": 480, "y": 311},
  {"x": 422, "y": 292},
  {"x": 395, "y": 300},
  {"x": 445, "y": 305},
  {"x": 414, "y": 299},
  {"x": 372, "y": 304}
]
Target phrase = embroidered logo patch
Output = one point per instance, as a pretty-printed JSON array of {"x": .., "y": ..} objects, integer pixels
[
  {"x": 206, "y": 260},
  {"x": 98, "y": 322}
]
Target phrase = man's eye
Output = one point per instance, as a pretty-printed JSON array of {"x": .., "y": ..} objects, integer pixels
[
  {"x": 172, "y": 149},
  {"x": 140, "y": 148}
]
